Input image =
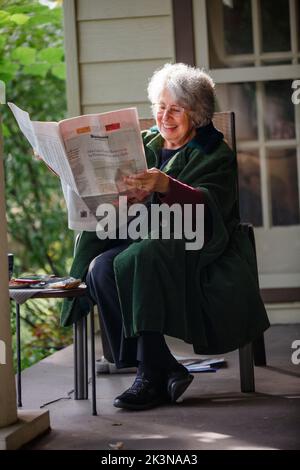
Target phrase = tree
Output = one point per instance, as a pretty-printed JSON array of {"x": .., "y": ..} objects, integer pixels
[{"x": 32, "y": 67}]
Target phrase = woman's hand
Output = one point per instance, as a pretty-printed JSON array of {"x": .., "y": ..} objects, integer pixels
[
  {"x": 136, "y": 196},
  {"x": 152, "y": 180}
]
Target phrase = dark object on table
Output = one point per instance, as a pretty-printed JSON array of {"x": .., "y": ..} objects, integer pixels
[{"x": 10, "y": 257}]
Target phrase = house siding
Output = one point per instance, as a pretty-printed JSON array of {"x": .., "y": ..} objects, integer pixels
[{"x": 119, "y": 45}]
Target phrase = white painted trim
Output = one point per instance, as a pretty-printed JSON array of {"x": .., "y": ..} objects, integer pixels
[
  {"x": 201, "y": 34},
  {"x": 71, "y": 51},
  {"x": 293, "y": 26},
  {"x": 248, "y": 145},
  {"x": 284, "y": 143},
  {"x": 265, "y": 190},
  {"x": 231, "y": 58},
  {"x": 278, "y": 280},
  {"x": 283, "y": 313},
  {"x": 256, "y": 32},
  {"x": 270, "y": 144},
  {"x": 254, "y": 74}
]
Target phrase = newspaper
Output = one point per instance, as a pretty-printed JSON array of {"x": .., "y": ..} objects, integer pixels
[{"x": 91, "y": 154}]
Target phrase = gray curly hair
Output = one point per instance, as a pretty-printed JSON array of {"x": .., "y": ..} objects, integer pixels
[{"x": 191, "y": 87}]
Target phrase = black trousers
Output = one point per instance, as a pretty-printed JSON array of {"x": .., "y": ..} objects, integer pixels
[{"x": 148, "y": 348}]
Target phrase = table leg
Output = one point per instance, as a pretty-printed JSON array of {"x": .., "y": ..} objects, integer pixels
[
  {"x": 75, "y": 346},
  {"x": 93, "y": 360},
  {"x": 80, "y": 360},
  {"x": 18, "y": 341}
]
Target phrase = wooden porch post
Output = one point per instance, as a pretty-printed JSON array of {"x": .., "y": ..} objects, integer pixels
[
  {"x": 16, "y": 428},
  {"x": 8, "y": 413}
]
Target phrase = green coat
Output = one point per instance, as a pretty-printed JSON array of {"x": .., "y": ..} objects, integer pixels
[{"x": 206, "y": 297}]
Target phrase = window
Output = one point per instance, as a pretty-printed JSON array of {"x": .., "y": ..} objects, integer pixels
[
  {"x": 253, "y": 32},
  {"x": 253, "y": 53}
]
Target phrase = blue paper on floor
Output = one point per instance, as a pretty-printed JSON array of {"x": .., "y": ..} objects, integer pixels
[
  {"x": 204, "y": 365},
  {"x": 199, "y": 368}
]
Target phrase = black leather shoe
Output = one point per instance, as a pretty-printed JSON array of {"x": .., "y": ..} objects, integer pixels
[
  {"x": 178, "y": 382},
  {"x": 142, "y": 395}
]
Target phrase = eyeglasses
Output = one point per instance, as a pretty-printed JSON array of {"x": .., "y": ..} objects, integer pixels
[{"x": 176, "y": 111}]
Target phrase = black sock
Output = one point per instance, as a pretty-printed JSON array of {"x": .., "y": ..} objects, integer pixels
[
  {"x": 150, "y": 372},
  {"x": 153, "y": 351}
]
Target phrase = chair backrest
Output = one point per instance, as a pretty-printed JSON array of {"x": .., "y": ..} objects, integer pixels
[{"x": 224, "y": 121}]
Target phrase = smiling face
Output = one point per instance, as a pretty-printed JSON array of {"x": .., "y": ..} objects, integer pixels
[{"x": 173, "y": 121}]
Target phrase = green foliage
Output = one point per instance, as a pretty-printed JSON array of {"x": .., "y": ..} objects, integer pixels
[
  {"x": 32, "y": 67},
  {"x": 31, "y": 34},
  {"x": 25, "y": 55}
]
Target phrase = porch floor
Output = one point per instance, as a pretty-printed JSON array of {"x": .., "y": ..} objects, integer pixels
[{"x": 214, "y": 414}]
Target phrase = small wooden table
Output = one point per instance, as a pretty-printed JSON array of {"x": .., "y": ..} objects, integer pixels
[{"x": 80, "y": 343}]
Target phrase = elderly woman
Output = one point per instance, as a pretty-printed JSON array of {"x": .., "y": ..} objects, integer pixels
[{"x": 151, "y": 287}]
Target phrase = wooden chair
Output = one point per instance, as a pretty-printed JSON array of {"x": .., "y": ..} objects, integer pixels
[{"x": 255, "y": 351}]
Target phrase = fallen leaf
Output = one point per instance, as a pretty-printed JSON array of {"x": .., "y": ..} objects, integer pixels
[{"x": 117, "y": 446}]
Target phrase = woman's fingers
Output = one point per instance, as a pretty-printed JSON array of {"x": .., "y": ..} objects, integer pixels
[
  {"x": 146, "y": 180},
  {"x": 150, "y": 180},
  {"x": 136, "y": 182},
  {"x": 137, "y": 195}
]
